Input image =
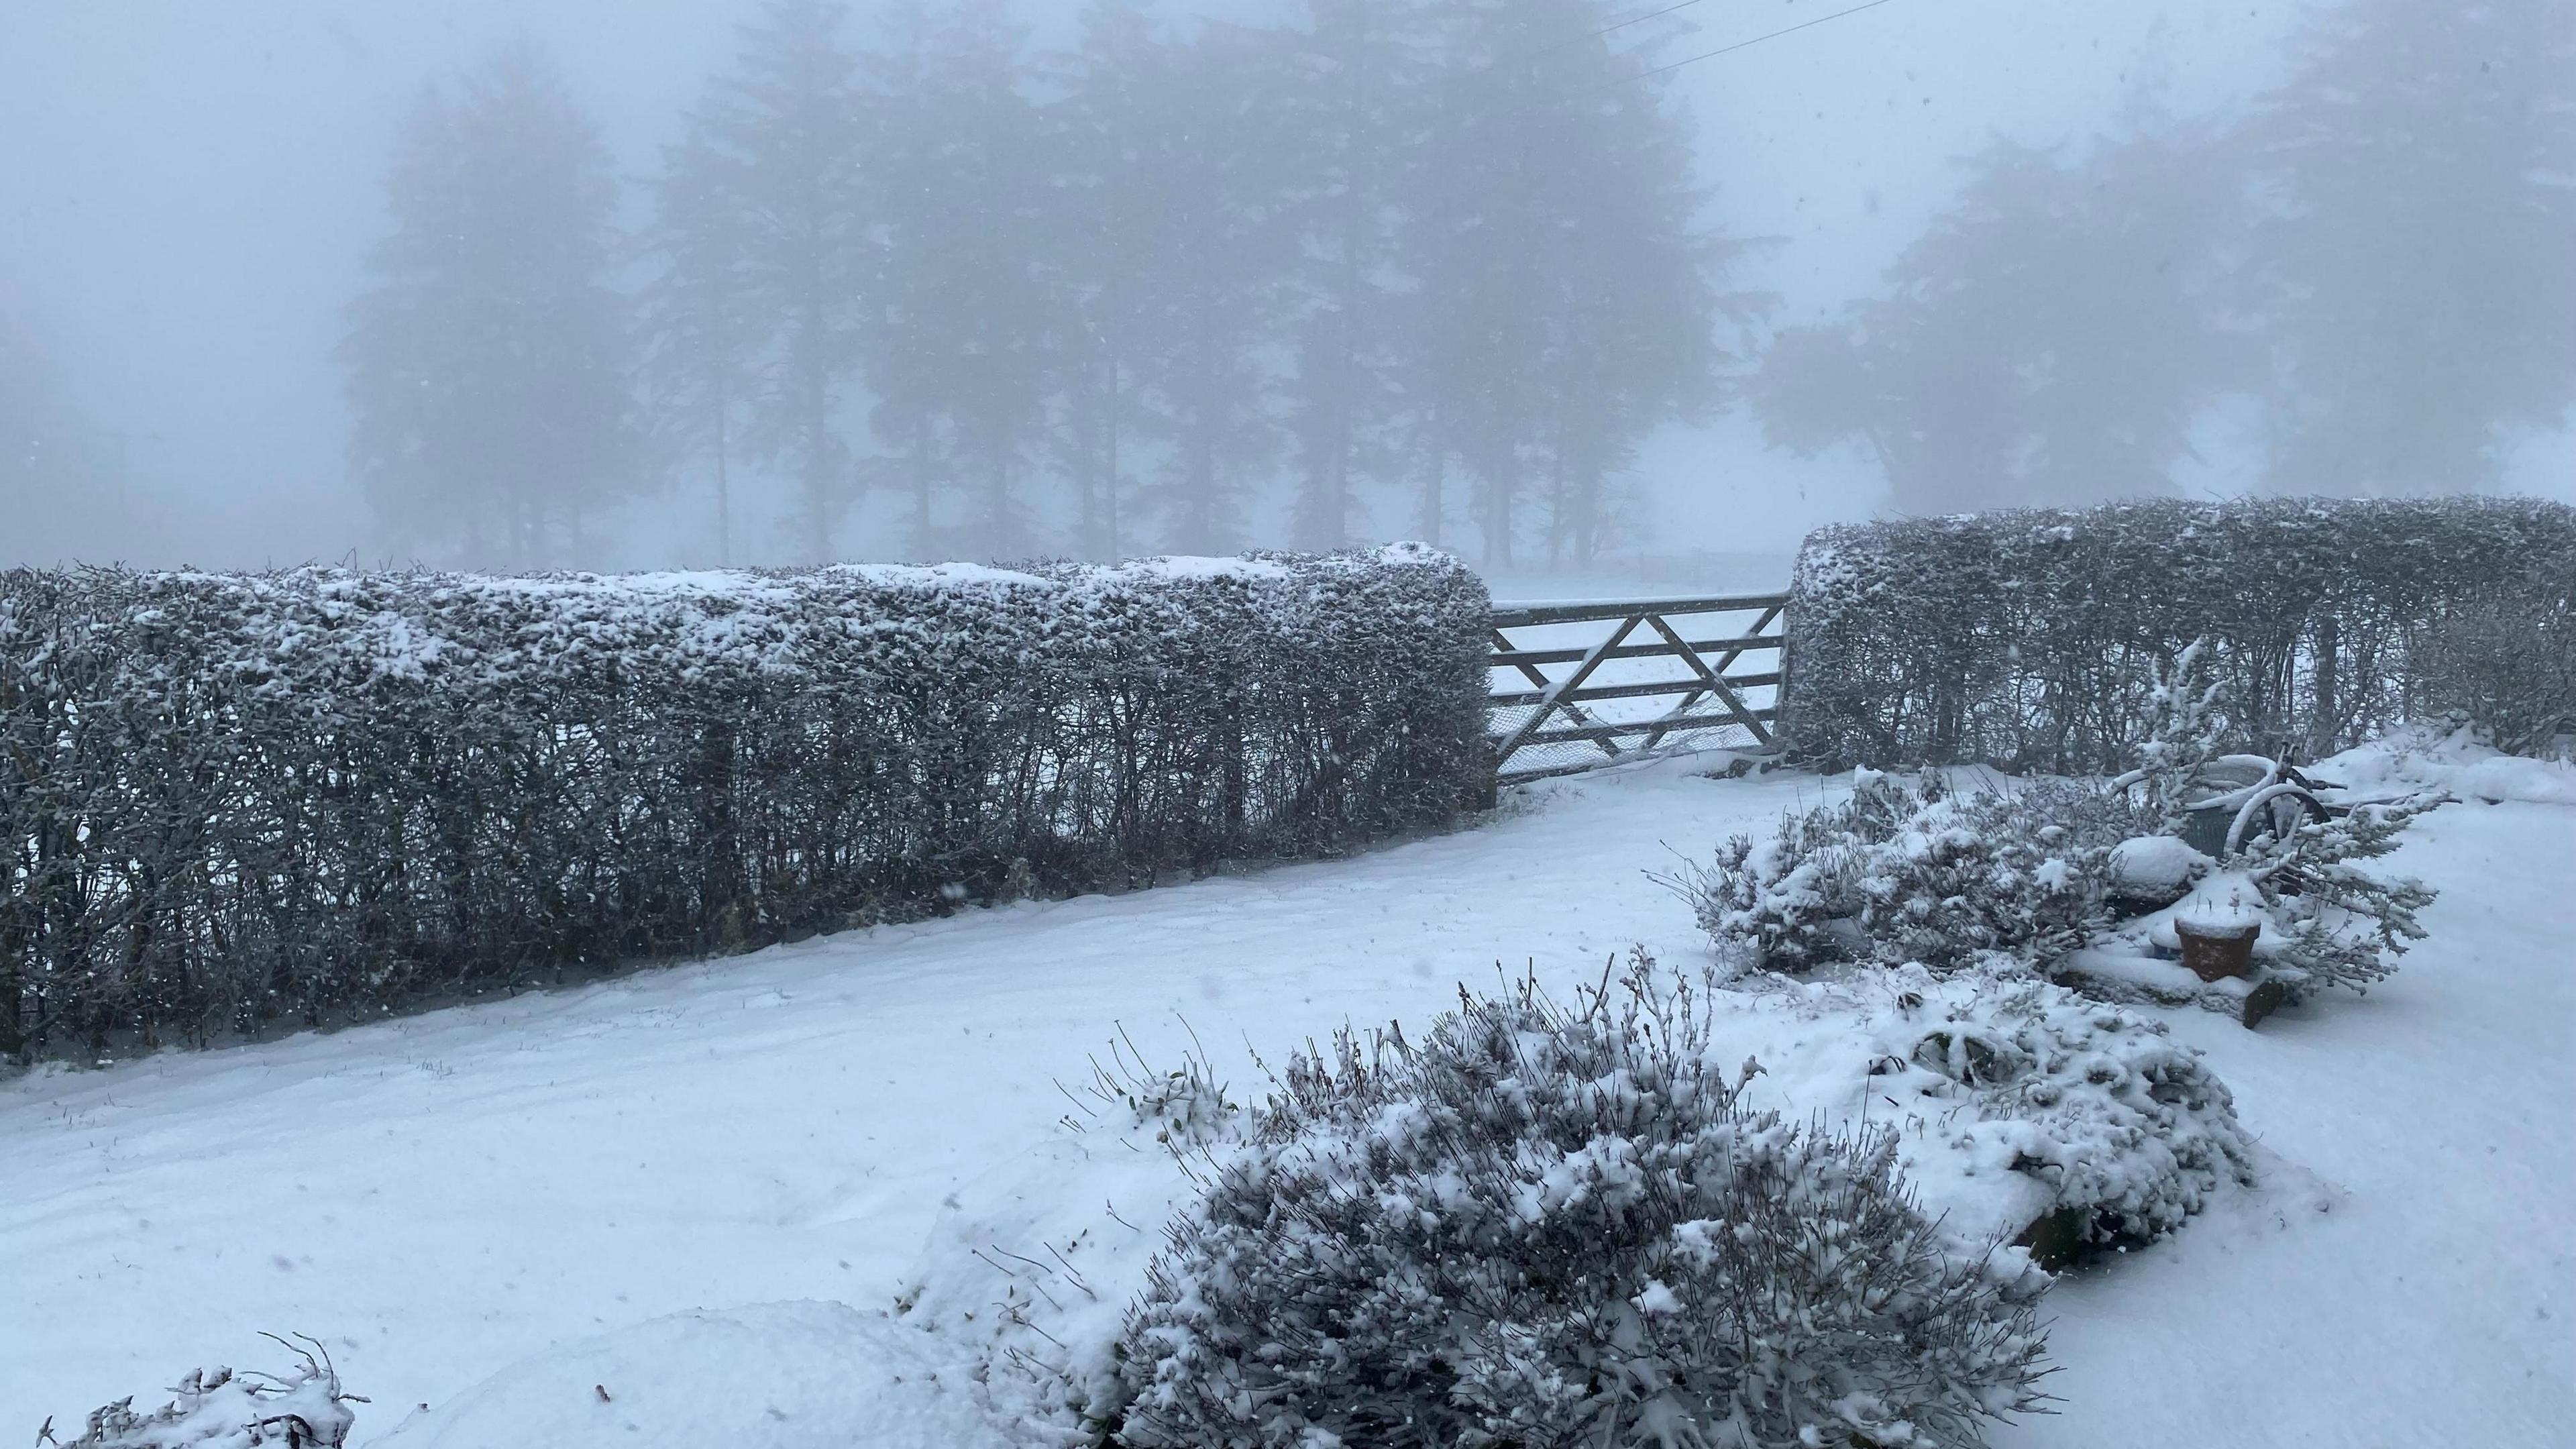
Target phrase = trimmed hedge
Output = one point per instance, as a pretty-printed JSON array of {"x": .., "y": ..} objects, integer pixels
[
  {"x": 2018, "y": 638},
  {"x": 231, "y": 801}
]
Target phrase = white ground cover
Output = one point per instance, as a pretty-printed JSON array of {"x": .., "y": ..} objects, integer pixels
[{"x": 688, "y": 1201}]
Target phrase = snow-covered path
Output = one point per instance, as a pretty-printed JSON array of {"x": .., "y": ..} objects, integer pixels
[
  {"x": 439, "y": 1196},
  {"x": 443, "y": 1196}
]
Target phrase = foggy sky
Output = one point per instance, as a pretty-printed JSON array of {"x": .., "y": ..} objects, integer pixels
[{"x": 187, "y": 191}]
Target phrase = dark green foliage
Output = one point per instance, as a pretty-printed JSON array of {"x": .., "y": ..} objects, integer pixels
[
  {"x": 236, "y": 801},
  {"x": 2016, "y": 638}
]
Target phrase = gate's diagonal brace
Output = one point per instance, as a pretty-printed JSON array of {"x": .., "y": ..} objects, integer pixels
[
  {"x": 1557, "y": 691},
  {"x": 1711, "y": 682},
  {"x": 1531, "y": 673},
  {"x": 1760, "y": 624}
]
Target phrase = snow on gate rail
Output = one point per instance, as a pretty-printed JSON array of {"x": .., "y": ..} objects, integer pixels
[{"x": 1577, "y": 686}]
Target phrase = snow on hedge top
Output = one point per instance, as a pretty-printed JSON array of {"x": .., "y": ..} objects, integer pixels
[{"x": 335, "y": 629}]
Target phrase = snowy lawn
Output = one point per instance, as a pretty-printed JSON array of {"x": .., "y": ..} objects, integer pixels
[{"x": 464, "y": 1194}]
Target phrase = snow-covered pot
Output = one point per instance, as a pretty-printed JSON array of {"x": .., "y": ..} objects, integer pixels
[{"x": 2215, "y": 950}]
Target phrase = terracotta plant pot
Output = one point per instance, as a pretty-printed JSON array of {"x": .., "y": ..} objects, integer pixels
[{"x": 2215, "y": 952}]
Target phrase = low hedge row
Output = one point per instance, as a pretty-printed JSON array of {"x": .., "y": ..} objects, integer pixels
[
  {"x": 228, "y": 801},
  {"x": 2017, "y": 638}
]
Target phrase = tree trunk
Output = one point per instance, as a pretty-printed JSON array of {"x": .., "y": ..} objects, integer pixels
[
  {"x": 1109, "y": 498},
  {"x": 724, "y": 481},
  {"x": 1434, "y": 489},
  {"x": 923, "y": 546}
]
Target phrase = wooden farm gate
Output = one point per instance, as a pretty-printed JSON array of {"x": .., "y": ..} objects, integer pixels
[{"x": 1580, "y": 686}]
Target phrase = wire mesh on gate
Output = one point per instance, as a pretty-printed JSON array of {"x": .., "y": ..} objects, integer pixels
[{"x": 1579, "y": 686}]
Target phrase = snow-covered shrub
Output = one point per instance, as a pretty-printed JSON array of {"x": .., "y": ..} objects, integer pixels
[
  {"x": 2011, "y": 637},
  {"x": 1182, "y": 1107},
  {"x": 1903, "y": 873},
  {"x": 2186, "y": 730},
  {"x": 220, "y": 1409},
  {"x": 2128, "y": 1130},
  {"x": 2325, "y": 917},
  {"x": 2325, "y": 920},
  {"x": 230, "y": 800},
  {"x": 2022, "y": 876},
  {"x": 1542, "y": 1225}
]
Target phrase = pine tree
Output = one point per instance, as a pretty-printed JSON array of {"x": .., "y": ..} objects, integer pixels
[
  {"x": 1358, "y": 69},
  {"x": 779, "y": 146},
  {"x": 702, "y": 360},
  {"x": 2050, "y": 339},
  {"x": 1565, "y": 304},
  {"x": 489, "y": 362},
  {"x": 1226, "y": 249},
  {"x": 2414, "y": 248},
  {"x": 1107, "y": 244},
  {"x": 956, "y": 342}
]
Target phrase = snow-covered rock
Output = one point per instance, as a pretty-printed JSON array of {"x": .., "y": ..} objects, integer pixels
[{"x": 2157, "y": 868}]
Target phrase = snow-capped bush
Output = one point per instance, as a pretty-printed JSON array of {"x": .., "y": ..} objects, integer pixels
[
  {"x": 2324, "y": 916},
  {"x": 231, "y": 800},
  {"x": 1900, "y": 873},
  {"x": 2325, "y": 921},
  {"x": 2010, "y": 637},
  {"x": 2023, "y": 876},
  {"x": 1542, "y": 1225},
  {"x": 2128, "y": 1130},
  {"x": 220, "y": 1409}
]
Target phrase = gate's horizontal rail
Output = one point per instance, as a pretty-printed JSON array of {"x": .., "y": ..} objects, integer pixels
[
  {"x": 1692, "y": 685},
  {"x": 1748, "y": 644},
  {"x": 1513, "y": 617},
  {"x": 1663, "y": 726}
]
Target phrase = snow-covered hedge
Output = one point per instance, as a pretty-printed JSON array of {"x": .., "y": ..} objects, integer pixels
[
  {"x": 233, "y": 800},
  {"x": 1542, "y": 1225},
  {"x": 2016, "y": 637}
]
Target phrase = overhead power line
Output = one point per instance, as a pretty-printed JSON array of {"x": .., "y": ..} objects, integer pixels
[
  {"x": 1757, "y": 40},
  {"x": 1642, "y": 19}
]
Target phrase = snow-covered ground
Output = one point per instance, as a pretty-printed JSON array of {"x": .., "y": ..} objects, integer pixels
[{"x": 488, "y": 1191}]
